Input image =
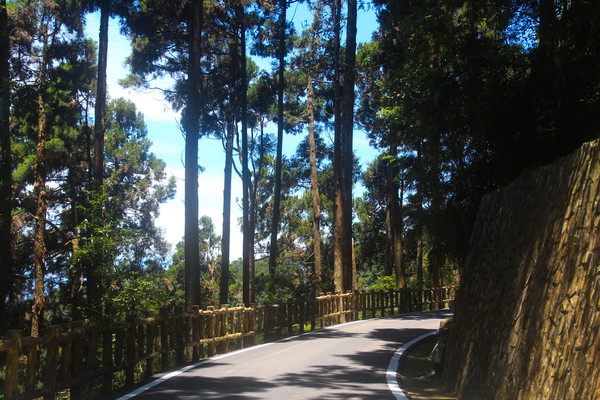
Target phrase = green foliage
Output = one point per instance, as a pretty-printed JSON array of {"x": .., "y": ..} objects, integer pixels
[{"x": 385, "y": 283}]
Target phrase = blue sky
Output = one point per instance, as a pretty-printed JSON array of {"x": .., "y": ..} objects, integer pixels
[{"x": 168, "y": 142}]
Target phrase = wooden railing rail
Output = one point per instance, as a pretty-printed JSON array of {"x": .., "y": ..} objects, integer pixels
[{"x": 91, "y": 361}]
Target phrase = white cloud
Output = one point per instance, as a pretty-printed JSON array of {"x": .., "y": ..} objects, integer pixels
[{"x": 210, "y": 194}]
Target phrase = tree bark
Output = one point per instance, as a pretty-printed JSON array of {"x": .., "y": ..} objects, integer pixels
[
  {"x": 247, "y": 242},
  {"x": 41, "y": 198},
  {"x": 226, "y": 236},
  {"x": 343, "y": 209},
  {"x": 191, "y": 121},
  {"x": 6, "y": 253},
  {"x": 419, "y": 222},
  {"x": 100, "y": 106},
  {"x": 75, "y": 272},
  {"x": 314, "y": 185},
  {"x": 338, "y": 264},
  {"x": 395, "y": 215},
  {"x": 231, "y": 130},
  {"x": 93, "y": 267},
  {"x": 279, "y": 154}
]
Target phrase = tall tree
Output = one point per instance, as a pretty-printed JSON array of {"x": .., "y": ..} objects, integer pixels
[
  {"x": 167, "y": 40},
  {"x": 97, "y": 167},
  {"x": 191, "y": 120},
  {"x": 6, "y": 252},
  {"x": 247, "y": 243},
  {"x": 343, "y": 158},
  {"x": 230, "y": 130},
  {"x": 280, "y": 115}
]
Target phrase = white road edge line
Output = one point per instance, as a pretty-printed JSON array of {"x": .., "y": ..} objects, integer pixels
[{"x": 392, "y": 371}]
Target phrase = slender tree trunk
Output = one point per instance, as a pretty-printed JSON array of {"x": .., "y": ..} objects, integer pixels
[
  {"x": 279, "y": 155},
  {"x": 344, "y": 219},
  {"x": 435, "y": 256},
  {"x": 75, "y": 272},
  {"x": 94, "y": 266},
  {"x": 6, "y": 252},
  {"x": 41, "y": 200},
  {"x": 388, "y": 266},
  {"x": 247, "y": 243},
  {"x": 231, "y": 130},
  {"x": 253, "y": 189},
  {"x": 314, "y": 184},
  {"x": 419, "y": 201},
  {"x": 226, "y": 237},
  {"x": 191, "y": 121},
  {"x": 338, "y": 271},
  {"x": 100, "y": 106},
  {"x": 395, "y": 211}
]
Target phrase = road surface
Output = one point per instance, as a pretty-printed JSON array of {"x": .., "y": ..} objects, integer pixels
[{"x": 346, "y": 361}]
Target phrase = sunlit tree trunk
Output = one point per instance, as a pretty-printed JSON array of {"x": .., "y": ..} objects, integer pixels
[
  {"x": 41, "y": 198},
  {"x": 314, "y": 185}
]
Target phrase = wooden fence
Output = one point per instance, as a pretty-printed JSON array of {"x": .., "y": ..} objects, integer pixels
[{"x": 92, "y": 361}]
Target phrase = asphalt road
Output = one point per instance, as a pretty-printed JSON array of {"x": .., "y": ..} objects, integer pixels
[{"x": 346, "y": 361}]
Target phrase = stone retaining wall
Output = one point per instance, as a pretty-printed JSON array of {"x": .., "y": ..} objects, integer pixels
[{"x": 527, "y": 313}]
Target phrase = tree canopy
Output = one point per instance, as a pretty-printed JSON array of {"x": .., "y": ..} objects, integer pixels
[{"x": 458, "y": 96}]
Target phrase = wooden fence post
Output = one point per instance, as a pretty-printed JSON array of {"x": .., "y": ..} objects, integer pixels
[
  {"x": 253, "y": 323},
  {"x": 32, "y": 367},
  {"x": 11, "y": 379},
  {"x": 130, "y": 349},
  {"x": 107, "y": 357},
  {"x": 224, "y": 327},
  {"x": 50, "y": 372},
  {"x": 178, "y": 336},
  {"x": 211, "y": 331},
  {"x": 195, "y": 321},
  {"x": 164, "y": 338},
  {"x": 151, "y": 343},
  {"x": 77, "y": 364}
]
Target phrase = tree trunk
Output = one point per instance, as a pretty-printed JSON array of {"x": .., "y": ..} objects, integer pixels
[
  {"x": 388, "y": 262},
  {"x": 231, "y": 130},
  {"x": 253, "y": 189},
  {"x": 343, "y": 218},
  {"x": 41, "y": 200},
  {"x": 314, "y": 185},
  {"x": 191, "y": 120},
  {"x": 278, "y": 157},
  {"x": 75, "y": 272},
  {"x": 247, "y": 242},
  {"x": 395, "y": 212},
  {"x": 100, "y": 106},
  {"x": 226, "y": 237},
  {"x": 6, "y": 253},
  {"x": 338, "y": 271},
  {"x": 94, "y": 266}
]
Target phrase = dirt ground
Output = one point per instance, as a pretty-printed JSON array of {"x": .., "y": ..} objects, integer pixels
[{"x": 416, "y": 376}]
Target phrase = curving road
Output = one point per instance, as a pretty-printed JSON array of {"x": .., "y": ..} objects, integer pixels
[{"x": 346, "y": 361}]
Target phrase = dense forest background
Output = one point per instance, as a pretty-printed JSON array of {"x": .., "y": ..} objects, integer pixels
[{"x": 459, "y": 96}]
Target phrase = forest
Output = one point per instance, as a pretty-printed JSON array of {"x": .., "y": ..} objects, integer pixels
[{"x": 458, "y": 96}]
